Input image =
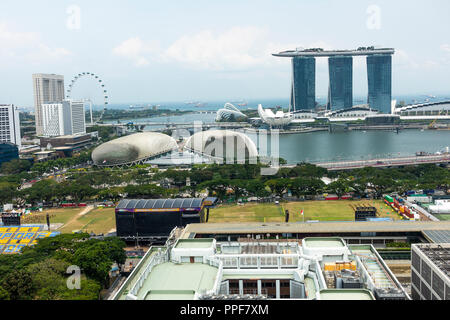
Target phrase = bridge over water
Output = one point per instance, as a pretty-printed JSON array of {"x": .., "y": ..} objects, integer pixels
[
  {"x": 388, "y": 162},
  {"x": 175, "y": 125}
]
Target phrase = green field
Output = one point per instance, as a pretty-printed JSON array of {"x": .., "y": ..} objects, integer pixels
[
  {"x": 60, "y": 215},
  {"x": 100, "y": 220},
  {"x": 339, "y": 210},
  {"x": 443, "y": 217}
]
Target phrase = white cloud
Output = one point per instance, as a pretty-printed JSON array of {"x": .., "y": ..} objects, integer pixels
[
  {"x": 445, "y": 47},
  {"x": 136, "y": 50},
  {"x": 403, "y": 60},
  {"x": 27, "y": 46},
  {"x": 236, "y": 49}
]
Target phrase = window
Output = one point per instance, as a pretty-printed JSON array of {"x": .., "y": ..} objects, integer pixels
[
  {"x": 426, "y": 292},
  {"x": 438, "y": 285},
  {"x": 426, "y": 273}
]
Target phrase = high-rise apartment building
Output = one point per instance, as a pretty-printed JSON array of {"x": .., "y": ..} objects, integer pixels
[
  {"x": 10, "y": 124},
  {"x": 340, "y": 95},
  {"x": 47, "y": 88},
  {"x": 63, "y": 118}
]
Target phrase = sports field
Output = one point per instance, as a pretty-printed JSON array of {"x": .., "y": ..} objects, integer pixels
[
  {"x": 340, "y": 210},
  {"x": 443, "y": 217},
  {"x": 99, "y": 220}
]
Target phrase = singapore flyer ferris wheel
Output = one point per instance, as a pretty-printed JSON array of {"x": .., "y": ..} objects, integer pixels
[{"x": 99, "y": 82}]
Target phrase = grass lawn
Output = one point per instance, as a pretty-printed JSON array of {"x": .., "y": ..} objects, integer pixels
[
  {"x": 59, "y": 215},
  {"x": 314, "y": 210},
  {"x": 443, "y": 217},
  {"x": 100, "y": 220}
]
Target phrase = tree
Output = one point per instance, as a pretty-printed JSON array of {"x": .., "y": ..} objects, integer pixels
[
  {"x": 48, "y": 278},
  {"x": 19, "y": 285},
  {"x": 146, "y": 191},
  {"x": 339, "y": 187},
  {"x": 92, "y": 257},
  {"x": 299, "y": 187},
  {"x": 382, "y": 185},
  {"x": 278, "y": 186},
  {"x": 239, "y": 187},
  {"x": 4, "y": 295},
  {"x": 217, "y": 186},
  {"x": 257, "y": 188},
  {"x": 89, "y": 290},
  {"x": 43, "y": 190},
  {"x": 15, "y": 166},
  {"x": 113, "y": 194},
  {"x": 7, "y": 191}
]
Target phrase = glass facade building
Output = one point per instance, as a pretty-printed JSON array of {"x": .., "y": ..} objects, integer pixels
[
  {"x": 340, "y": 92},
  {"x": 8, "y": 152},
  {"x": 303, "y": 90},
  {"x": 379, "y": 76}
]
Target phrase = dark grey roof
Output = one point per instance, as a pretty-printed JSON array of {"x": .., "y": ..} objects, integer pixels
[
  {"x": 160, "y": 203},
  {"x": 438, "y": 236}
]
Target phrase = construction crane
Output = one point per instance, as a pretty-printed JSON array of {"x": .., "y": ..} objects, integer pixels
[{"x": 432, "y": 125}]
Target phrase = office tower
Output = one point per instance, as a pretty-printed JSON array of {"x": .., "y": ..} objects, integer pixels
[
  {"x": 10, "y": 124},
  {"x": 303, "y": 90},
  {"x": 47, "y": 88},
  {"x": 340, "y": 70},
  {"x": 379, "y": 76},
  {"x": 63, "y": 118},
  {"x": 78, "y": 117}
]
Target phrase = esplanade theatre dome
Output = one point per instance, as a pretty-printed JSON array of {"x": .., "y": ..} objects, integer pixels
[
  {"x": 133, "y": 149},
  {"x": 222, "y": 144}
]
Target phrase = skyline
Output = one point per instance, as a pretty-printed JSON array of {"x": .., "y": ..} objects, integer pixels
[{"x": 183, "y": 51}]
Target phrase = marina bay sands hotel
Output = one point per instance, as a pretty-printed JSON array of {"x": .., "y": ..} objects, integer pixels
[{"x": 340, "y": 91}]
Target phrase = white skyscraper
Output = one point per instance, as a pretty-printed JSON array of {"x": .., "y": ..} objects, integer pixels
[
  {"x": 47, "y": 88},
  {"x": 10, "y": 124},
  {"x": 78, "y": 117},
  {"x": 63, "y": 118}
]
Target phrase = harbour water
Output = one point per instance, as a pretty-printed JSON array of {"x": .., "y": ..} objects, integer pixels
[
  {"x": 337, "y": 146},
  {"x": 323, "y": 146}
]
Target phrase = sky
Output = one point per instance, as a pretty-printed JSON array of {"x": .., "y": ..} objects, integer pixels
[{"x": 153, "y": 51}]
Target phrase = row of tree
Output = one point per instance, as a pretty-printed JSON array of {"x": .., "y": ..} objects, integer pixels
[{"x": 240, "y": 180}]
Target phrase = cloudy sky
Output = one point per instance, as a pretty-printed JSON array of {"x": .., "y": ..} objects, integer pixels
[{"x": 176, "y": 50}]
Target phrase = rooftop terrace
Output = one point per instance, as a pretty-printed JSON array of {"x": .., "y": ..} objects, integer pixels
[
  {"x": 330, "y": 53},
  {"x": 346, "y": 294},
  {"x": 178, "y": 281},
  {"x": 324, "y": 242},
  {"x": 194, "y": 243}
]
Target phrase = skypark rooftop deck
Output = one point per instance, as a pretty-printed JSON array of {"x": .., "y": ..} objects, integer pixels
[{"x": 332, "y": 53}]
